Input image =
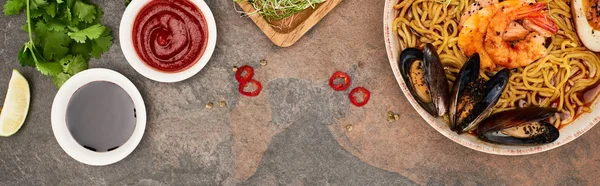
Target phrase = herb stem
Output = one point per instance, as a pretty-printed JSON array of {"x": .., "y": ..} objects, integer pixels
[
  {"x": 30, "y": 43},
  {"x": 29, "y": 23}
]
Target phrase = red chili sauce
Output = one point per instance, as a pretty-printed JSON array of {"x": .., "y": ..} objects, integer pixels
[{"x": 170, "y": 35}]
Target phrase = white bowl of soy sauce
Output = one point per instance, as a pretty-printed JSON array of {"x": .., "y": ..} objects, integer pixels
[{"x": 98, "y": 117}]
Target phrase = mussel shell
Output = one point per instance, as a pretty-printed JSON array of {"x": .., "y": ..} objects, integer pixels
[
  {"x": 542, "y": 133},
  {"x": 514, "y": 118},
  {"x": 435, "y": 78},
  {"x": 407, "y": 58},
  {"x": 467, "y": 74},
  {"x": 493, "y": 90},
  {"x": 482, "y": 107},
  {"x": 490, "y": 129}
]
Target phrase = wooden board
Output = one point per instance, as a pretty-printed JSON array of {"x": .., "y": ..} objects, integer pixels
[{"x": 286, "y": 32}]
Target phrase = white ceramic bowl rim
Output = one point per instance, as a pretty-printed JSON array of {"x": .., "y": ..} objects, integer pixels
[
  {"x": 567, "y": 134},
  {"x": 125, "y": 38},
  {"x": 64, "y": 137}
]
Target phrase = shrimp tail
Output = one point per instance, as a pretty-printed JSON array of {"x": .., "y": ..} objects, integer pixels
[
  {"x": 536, "y": 14},
  {"x": 533, "y": 10},
  {"x": 545, "y": 23}
]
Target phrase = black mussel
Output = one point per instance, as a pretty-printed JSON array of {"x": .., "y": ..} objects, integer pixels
[
  {"x": 435, "y": 77},
  {"x": 519, "y": 126},
  {"x": 472, "y": 98},
  {"x": 468, "y": 74},
  {"x": 424, "y": 75}
]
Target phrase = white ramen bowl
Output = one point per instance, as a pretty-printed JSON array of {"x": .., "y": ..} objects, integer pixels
[
  {"x": 61, "y": 131},
  {"x": 125, "y": 38},
  {"x": 567, "y": 134}
]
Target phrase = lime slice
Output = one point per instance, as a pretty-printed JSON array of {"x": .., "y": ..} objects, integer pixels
[{"x": 16, "y": 105}]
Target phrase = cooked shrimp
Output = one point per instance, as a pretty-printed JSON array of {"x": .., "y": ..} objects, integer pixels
[
  {"x": 478, "y": 5},
  {"x": 472, "y": 35},
  {"x": 515, "y": 31},
  {"x": 532, "y": 25},
  {"x": 523, "y": 52},
  {"x": 473, "y": 9}
]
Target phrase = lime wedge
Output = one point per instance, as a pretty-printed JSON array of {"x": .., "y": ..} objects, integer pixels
[{"x": 16, "y": 105}]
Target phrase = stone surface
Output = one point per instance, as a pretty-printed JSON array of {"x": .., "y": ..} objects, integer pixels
[{"x": 292, "y": 134}]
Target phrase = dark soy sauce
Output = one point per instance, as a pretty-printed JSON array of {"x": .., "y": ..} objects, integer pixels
[{"x": 101, "y": 116}]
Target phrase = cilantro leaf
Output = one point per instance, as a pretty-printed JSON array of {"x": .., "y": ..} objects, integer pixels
[
  {"x": 102, "y": 44},
  {"x": 99, "y": 15},
  {"x": 55, "y": 44},
  {"x": 73, "y": 29},
  {"x": 37, "y": 4},
  {"x": 36, "y": 13},
  {"x": 92, "y": 32},
  {"x": 85, "y": 12},
  {"x": 25, "y": 57},
  {"x": 67, "y": 16},
  {"x": 59, "y": 1},
  {"x": 49, "y": 68},
  {"x": 127, "y": 2},
  {"x": 74, "y": 64},
  {"x": 82, "y": 49},
  {"x": 55, "y": 26},
  {"x": 70, "y": 3},
  {"x": 13, "y": 7},
  {"x": 40, "y": 28},
  {"x": 51, "y": 9},
  {"x": 60, "y": 79}
]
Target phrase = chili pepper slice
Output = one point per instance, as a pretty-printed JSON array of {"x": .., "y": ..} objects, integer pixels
[
  {"x": 253, "y": 93},
  {"x": 366, "y": 96},
  {"x": 342, "y": 86},
  {"x": 249, "y": 74}
]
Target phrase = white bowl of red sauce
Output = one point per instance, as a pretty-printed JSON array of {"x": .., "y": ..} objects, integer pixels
[{"x": 168, "y": 40}]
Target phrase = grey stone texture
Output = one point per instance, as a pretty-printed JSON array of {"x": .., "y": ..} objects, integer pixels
[{"x": 294, "y": 133}]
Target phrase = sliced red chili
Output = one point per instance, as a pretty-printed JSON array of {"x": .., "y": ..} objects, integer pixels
[
  {"x": 366, "y": 96},
  {"x": 247, "y": 77},
  {"x": 342, "y": 86},
  {"x": 253, "y": 93}
]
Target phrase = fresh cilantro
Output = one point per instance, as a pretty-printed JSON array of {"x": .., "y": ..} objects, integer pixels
[
  {"x": 102, "y": 44},
  {"x": 37, "y": 4},
  {"x": 84, "y": 12},
  {"x": 55, "y": 26},
  {"x": 92, "y": 32},
  {"x": 70, "y": 3},
  {"x": 73, "y": 64},
  {"x": 40, "y": 28},
  {"x": 55, "y": 45},
  {"x": 36, "y": 13},
  {"x": 99, "y": 15},
  {"x": 82, "y": 49},
  {"x": 49, "y": 68},
  {"x": 63, "y": 36},
  {"x": 13, "y": 7},
  {"x": 127, "y": 2},
  {"x": 25, "y": 57},
  {"x": 68, "y": 15},
  {"x": 60, "y": 79},
  {"x": 51, "y": 9},
  {"x": 70, "y": 65}
]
